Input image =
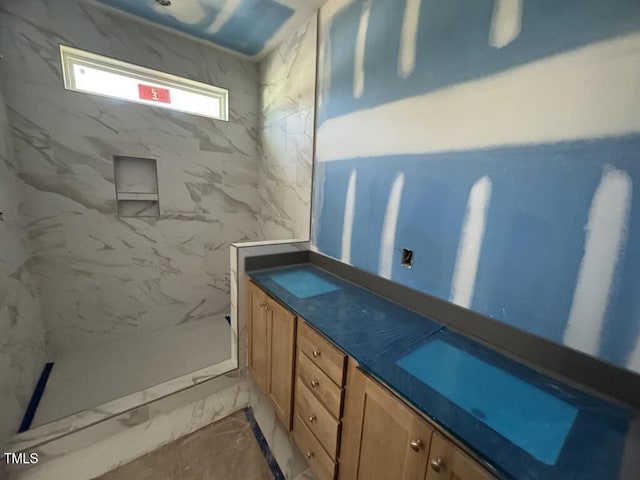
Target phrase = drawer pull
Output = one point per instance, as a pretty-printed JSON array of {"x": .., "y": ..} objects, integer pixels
[
  {"x": 416, "y": 444},
  {"x": 437, "y": 464},
  {"x": 312, "y": 418},
  {"x": 310, "y": 454},
  {"x": 314, "y": 383},
  {"x": 316, "y": 353}
]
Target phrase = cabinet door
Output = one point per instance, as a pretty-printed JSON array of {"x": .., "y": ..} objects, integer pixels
[
  {"x": 282, "y": 335},
  {"x": 382, "y": 438},
  {"x": 448, "y": 462},
  {"x": 258, "y": 328}
]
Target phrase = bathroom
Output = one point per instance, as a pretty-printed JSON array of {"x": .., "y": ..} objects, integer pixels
[{"x": 405, "y": 183}]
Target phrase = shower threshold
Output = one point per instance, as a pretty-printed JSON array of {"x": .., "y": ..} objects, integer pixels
[{"x": 93, "y": 384}]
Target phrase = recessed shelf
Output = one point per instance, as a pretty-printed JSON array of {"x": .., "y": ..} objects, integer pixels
[
  {"x": 153, "y": 197},
  {"x": 138, "y": 208},
  {"x": 136, "y": 186}
]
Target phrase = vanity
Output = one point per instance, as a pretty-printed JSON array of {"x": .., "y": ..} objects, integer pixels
[{"x": 371, "y": 390}]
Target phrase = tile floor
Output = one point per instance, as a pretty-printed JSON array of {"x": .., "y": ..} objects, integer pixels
[
  {"x": 225, "y": 450},
  {"x": 88, "y": 378}
]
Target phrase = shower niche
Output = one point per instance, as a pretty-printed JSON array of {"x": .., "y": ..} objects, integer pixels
[{"x": 136, "y": 186}]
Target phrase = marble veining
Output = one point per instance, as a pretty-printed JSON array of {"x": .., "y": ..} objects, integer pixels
[
  {"x": 101, "y": 277},
  {"x": 172, "y": 358},
  {"x": 87, "y": 453},
  {"x": 89, "y": 420},
  {"x": 286, "y": 126},
  {"x": 114, "y": 409},
  {"x": 239, "y": 253},
  {"x": 22, "y": 346}
]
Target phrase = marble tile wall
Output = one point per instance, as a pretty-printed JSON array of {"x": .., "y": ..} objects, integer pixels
[
  {"x": 90, "y": 452},
  {"x": 22, "y": 348},
  {"x": 101, "y": 277},
  {"x": 239, "y": 253},
  {"x": 287, "y": 102},
  {"x": 87, "y": 453},
  {"x": 284, "y": 450},
  {"x": 92, "y": 418}
]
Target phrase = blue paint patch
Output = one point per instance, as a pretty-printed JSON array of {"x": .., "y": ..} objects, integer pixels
[
  {"x": 534, "y": 237},
  {"x": 453, "y": 44},
  {"x": 303, "y": 284},
  {"x": 527, "y": 416},
  {"x": 264, "y": 446},
  {"x": 38, "y": 391},
  {"x": 247, "y": 30}
]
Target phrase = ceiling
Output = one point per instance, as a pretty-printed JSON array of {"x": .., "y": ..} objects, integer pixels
[{"x": 251, "y": 28}]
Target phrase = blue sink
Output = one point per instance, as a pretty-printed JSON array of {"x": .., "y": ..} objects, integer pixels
[
  {"x": 531, "y": 418},
  {"x": 303, "y": 284}
]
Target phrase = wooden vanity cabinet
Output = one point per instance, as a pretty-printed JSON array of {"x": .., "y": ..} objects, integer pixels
[
  {"x": 343, "y": 420},
  {"x": 258, "y": 330},
  {"x": 382, "y": 438},
  {"x": 272, "y": 334},
  {"x": 448, "y": 462},
  {"x": 320, "y": 372}
]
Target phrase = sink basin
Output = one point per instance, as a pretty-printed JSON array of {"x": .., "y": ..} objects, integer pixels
[
  {"x": 531, "y": 418},
  {"x": 303, "y": 284}
]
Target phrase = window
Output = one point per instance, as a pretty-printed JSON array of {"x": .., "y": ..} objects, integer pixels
[{"x": 91, "y": 73}]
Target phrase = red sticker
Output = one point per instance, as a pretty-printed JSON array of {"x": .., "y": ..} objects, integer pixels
[{"x": 154, "y": 94}]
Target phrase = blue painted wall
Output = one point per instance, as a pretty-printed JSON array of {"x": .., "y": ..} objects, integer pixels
[
  {"x": 246, "y": 31},
  {"x": 452, "y": 43},
  {"x": 543, "y": 201}
]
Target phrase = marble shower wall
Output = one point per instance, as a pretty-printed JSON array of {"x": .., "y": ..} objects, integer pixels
[
  {"x": 22, "y": 350},
  {"x": 101, "y": 277},
  {"x": 287, "y": 102}
]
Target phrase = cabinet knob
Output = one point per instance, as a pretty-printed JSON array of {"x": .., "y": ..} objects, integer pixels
[
  {"x": 310, "y": 454},
  {"x": 314, "y": 383},
  {"x": 312, "y": 418},
  {"x": 262, "y": 304},
  {"x": 416, "y": 444},
  {"x": 316, "y": 352},
  {"x": 266, "y": 307},
  {"x": 437, "y": 464}
]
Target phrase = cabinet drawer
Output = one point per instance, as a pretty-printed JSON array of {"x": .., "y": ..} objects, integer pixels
[
  {"x": 329, "y": 394},
  {"x": 446, "y": 461},
  {"x": 321, "y": 352},
  {"x": 323, "y": 466},
  {"x": 317, "y": 418}
]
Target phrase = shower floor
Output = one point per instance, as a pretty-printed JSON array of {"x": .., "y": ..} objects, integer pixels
[{"x": 88, "y": 378}]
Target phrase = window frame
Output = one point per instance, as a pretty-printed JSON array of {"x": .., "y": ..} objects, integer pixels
[{"x": 70, "y": 57}]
